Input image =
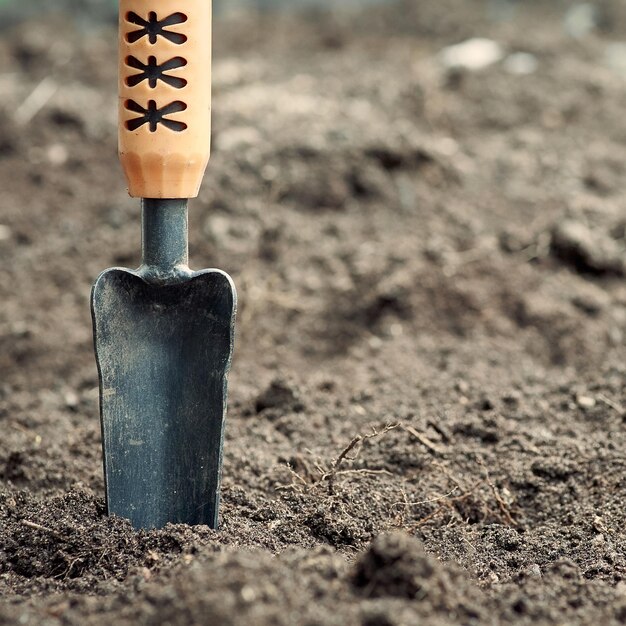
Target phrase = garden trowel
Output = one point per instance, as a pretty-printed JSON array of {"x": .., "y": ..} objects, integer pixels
[{"x": 163, "y": 333}]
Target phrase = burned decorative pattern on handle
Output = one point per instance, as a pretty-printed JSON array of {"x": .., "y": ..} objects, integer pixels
[
  {"x": 153, "y": 116},
  {"x": 153, "y": 72},
  {"x": 153, "y": 27}
]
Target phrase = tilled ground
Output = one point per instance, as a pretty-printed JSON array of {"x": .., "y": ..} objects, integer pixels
[{"x": 428, "y": 397}]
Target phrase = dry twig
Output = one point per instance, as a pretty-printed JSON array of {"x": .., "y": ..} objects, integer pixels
[
  {"x": 423, "y": 439},
  {"x": 41, "y": 528},
  {"x": 618, "y": 408},
  {"x": 35, "y": 101},
  {"x": 502, "y": 505},
  {"x": 331, "y": 474}
]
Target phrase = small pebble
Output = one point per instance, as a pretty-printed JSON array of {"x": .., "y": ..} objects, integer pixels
[
  {"x": 472, "y": 55},
  {"x": 5, "y": 232},
  {"x": 615, "y": 57},
  {"x": 57, "y": 154},
  {"x": 462, "y": 386},
  {"x": 581, "y": 20},
  {"x": 521, "y": 64},
  {"x": 71, "y": 399},
  {"x": 585, "y": 402},
  {"x": 248, "y": 594},
  {"x": 375, "y": 342}
]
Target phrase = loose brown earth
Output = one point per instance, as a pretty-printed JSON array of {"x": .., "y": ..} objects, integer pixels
[{"x": 428, "y": 398}]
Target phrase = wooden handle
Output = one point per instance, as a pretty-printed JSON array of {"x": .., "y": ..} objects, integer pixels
[{"x": 165, "y": 96}]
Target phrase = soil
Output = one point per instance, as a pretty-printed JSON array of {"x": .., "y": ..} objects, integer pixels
[{"x": 428, "y": 397}]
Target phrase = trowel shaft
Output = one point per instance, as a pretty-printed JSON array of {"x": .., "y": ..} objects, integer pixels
[{"x": 164, "y": 243}]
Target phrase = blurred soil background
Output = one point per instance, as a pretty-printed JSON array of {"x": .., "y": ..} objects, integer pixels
[{"x": 428, "y": 395}]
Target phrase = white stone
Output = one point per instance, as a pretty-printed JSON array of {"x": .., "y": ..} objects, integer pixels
[
  {"x": 615, "y": 57},
  {"x": 521, "y": 63},
  {"x": 581, "y": 20},
  {"x": 57, "y": 154},
  {"x": 585, "y": 402},
  {"x": 473, "y": 54}
]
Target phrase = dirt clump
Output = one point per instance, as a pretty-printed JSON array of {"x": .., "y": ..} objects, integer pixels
[
  {"x": 396, "y": 565},
  {"x": 585, "y": 250}
]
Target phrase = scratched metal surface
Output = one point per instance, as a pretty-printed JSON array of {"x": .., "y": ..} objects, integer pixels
[{"x": 163, "y": 354}]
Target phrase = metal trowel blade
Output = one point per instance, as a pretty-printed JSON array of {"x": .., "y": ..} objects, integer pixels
[{"x": 163, "y": 355}]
